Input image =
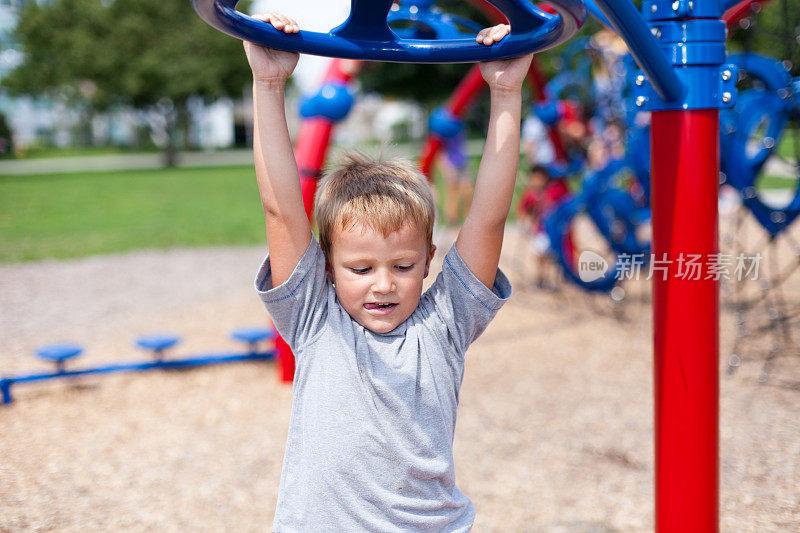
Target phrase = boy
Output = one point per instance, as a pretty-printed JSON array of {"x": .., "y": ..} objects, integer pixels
[{"x": 379, "y": 366}]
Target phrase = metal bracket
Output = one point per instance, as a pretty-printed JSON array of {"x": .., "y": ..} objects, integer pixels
[
  {"x": 696, "y": 50},
  {"x": 707, "y": 88}
]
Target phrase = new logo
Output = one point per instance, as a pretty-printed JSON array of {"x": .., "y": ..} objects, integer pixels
[{"x": 591, "y": 266}]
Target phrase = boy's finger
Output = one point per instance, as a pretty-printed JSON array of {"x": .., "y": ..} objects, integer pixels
[
  {"x": 293, "y": 26},
  {"x": 289, "y": 26},
  {"x": 276, "y": 20},
  {"x": 498, "y": 32}
]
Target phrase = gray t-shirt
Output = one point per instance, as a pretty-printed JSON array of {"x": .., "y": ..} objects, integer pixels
[{"x": 370, "y": 444}]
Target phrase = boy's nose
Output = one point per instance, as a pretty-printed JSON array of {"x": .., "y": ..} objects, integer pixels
[{"x": 384, "y": 283}]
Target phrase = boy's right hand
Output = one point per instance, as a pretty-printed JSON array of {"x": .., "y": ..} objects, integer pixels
[{"x": 268, "y": 64}]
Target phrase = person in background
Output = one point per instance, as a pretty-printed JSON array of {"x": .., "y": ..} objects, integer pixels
[
  {"x": 536, "y": 144},
  {"x": 453, "y": 163},
  {"x": 542, "y": 194}
]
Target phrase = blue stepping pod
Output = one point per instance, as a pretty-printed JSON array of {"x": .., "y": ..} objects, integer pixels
[
  {"x": 157, "y": 343},
  {"x": 58, "y": 353},
  {"x": 252, "y": 336}
]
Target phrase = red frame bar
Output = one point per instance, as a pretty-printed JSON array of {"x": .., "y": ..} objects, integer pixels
[
  {"x": 733, "y": 15},
  {"x": 685, "y": 183},
  {"x": 311, "y": 148},
  {"x": 463, "y": 96}
]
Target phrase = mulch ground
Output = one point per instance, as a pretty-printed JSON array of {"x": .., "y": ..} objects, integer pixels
[{"x": 555, "y": 427}]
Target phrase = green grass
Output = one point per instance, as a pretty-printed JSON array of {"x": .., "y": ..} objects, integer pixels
[
  {"x": 776, "y": 182},
  {"x": 786, "y": 147},
  {"x": 73, "y": 215},
  {"x": 48, "y": 152}
]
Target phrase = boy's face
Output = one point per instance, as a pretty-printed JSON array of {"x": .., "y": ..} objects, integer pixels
[{"x": 378, "y": 279}]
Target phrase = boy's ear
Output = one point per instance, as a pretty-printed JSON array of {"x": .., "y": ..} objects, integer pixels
[
  {"x": 429, "y": 259},
  {"x": 329, "y": 273}
]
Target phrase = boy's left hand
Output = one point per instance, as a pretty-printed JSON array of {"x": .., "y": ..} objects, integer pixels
[{"x": 505, "y": 74}]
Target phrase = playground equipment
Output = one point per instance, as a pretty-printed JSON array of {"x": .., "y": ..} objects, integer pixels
[
  {"x": 684, "y": 180},
  {"x": 752, "y": 131},
  {"x": 59, "y": 354},
  {"x": 616, "y": 215},
  {"x": 465, "y": 94},
  {"x": 684, "y": 91},
  {"x": 366, "y": 34},
  {"x": 767, "y": 118},
  {"x": 617, "y": 208}
]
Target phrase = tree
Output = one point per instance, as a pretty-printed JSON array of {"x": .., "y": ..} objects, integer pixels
[
  {"x": 60, "y": 43},
  {"x": 773, "y": 30},
  {"x": 150, "y": 54}
]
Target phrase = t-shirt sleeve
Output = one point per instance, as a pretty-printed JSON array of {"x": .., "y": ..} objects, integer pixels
[
  {"x": 463, "y": 303},
  {"x": 298, "y": 306}
]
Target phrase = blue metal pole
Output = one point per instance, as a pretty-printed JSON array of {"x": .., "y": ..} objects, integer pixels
[
  {"x": 135, "y": 366},
  {"x": 594, "y": 11}
]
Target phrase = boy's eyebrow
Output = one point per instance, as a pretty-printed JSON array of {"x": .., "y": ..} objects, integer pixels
[{"x": 411, "y": 256}]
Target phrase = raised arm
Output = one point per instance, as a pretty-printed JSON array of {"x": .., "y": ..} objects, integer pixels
[
  {"x": 288, "y": 229},
  {"x": 481, "y": 237}
]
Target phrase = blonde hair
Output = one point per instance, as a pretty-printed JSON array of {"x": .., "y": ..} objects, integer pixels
[{"x": 384, "y": 195}]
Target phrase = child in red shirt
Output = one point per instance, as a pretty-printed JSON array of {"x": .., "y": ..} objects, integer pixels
[{"x": 542, "y": 194}]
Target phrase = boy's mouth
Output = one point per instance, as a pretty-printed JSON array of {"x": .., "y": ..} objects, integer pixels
[{"x": 380, "y": 308}]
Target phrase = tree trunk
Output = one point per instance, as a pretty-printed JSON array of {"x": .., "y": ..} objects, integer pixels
[
  {"x": 184, "y": 124},
  {"x": 170, "y": 150}
]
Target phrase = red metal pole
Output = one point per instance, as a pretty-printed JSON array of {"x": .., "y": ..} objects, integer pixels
[
  {"x": 463, "y": 96},
  {"x": 311, "y": 147},
  {"x": 685, "y": 181},
  {"x": 428, "y": 153}
]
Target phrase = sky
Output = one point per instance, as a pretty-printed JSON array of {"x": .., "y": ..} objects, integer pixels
[{"x": 312, "y": 15}]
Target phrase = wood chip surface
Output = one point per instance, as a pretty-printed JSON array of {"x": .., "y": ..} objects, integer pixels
[{"x": 554, "y": 433}]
